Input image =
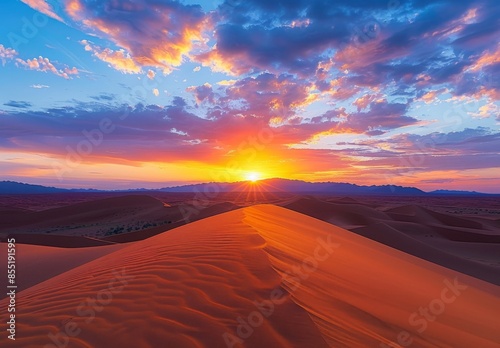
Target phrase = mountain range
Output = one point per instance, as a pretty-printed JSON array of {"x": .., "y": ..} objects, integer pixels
[{"x": 267, "y": 185}]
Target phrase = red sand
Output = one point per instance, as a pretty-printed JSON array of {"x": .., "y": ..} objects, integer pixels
[{"x": 188, "y": 287}]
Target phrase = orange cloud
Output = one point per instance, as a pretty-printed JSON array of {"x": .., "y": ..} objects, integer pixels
[
  {"x": 74, "y": 8},
  {"x": 431, "y": 96},
  {"x": 216, "y": 61},
  {"x": 153, "y": 34},
  {"x": 119, "y": 60},
  {"x": 486, "y": 111}
]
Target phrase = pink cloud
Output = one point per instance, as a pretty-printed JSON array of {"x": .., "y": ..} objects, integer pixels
[
  {"x": 364, "y": 101},
  {"x": 488, "y": 57},
  {"x": 269, "y": 95},
  {"x": 45, "y": 65},
  {"x": 7, "y": 53},
  {"x": 43, "y": 7}
]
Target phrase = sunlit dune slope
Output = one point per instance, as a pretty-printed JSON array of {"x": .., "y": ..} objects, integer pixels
[
  {"x": 211, "y": 283},
  {"x": 366, "y": 292}
]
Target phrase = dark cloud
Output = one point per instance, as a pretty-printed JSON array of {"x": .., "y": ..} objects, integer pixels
[
  {"x": 18, "y": 104},
  {"x": 103, "y": 97},
  {"x": 413, "y": 44},
  {"x": 416, "y": 43},
  {"x": 203, "y": 93},
  {"x": 382, "y": 116}
]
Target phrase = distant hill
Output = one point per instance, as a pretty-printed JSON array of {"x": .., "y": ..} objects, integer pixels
[
  {"x": 457, "y": 193},
  {"x": 268, "y": 185},
  {"x": 285, "y": 185},
  {"x": 12, "y": 187}
]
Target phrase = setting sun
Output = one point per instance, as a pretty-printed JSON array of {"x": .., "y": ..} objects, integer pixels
[{"x": 253, "y": 177}]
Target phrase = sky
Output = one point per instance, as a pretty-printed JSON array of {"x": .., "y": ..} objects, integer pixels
[{"x": 116, "y": 94}]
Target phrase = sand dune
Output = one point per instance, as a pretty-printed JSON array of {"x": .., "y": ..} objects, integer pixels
[
  {"x": 77, "y": 218},
  {"x": 119, "y": 219},
  {"x": 36, "y": 264},
  {"x": 178, "y": 220},
  {"x": 366, "y": 292},
  {"x": 345, "y": 200},
  {"x": 418, "y": 231},
  {"x": 414, "y": 213},
  {"x": 347, "y": 215},
  {"x": 441, "y": 252},
  {"x": 60, "y": 241},
  {"x": 314, "y": 285}
]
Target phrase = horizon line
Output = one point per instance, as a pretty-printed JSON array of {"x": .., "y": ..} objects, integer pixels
[{"x": 104, "y": 190}]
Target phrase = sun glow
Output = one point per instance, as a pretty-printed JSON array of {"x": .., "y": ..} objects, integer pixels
[{"x": 253, "y": 177}]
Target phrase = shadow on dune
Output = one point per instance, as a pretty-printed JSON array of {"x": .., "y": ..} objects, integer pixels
[{"x": 436, "y": 237}]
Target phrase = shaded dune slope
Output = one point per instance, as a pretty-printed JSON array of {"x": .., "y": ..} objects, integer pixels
[
  {"x": 387, "y": 235},
  {"x": 212, "y": 210},
  {"x": 70, "y": 226},
  {"x": 467, "y": 245},
  {"x": 97, "y": 210}
]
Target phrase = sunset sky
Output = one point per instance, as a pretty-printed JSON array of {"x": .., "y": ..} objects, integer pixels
[{"x": 153, "y": 93}]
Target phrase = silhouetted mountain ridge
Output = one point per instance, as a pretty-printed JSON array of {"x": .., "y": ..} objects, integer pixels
[
  {"x": 13, "y": 187},
  {"x": 298, "y": 186},
  {"x": 267, "y": 185}
]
